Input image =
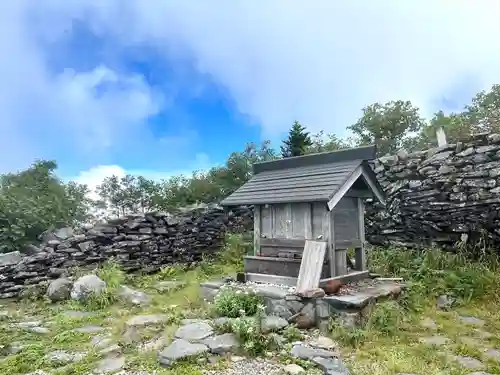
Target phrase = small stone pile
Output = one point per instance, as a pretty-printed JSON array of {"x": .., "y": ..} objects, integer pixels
[
  {"x": 439, "y": 196},
  {"x": 139, "y": 242}
]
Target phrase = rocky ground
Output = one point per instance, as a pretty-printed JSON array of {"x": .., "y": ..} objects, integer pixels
[{"x": 159, "y": 326}]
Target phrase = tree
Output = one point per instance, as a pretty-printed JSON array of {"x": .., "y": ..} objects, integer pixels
[
  {"x": 35, "y": 200},
  {"x": 297, "y": 143},
  {"x": 455, "y": 125},
  {"x": 483, "y": 114},
  {"x": 322, "y": 142},
  {"x": 389, "y": 126}
]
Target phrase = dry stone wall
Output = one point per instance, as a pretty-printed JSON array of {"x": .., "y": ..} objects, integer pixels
[
  {"x": 144, "y": 242},
  {"x": 440, "y": 196}
]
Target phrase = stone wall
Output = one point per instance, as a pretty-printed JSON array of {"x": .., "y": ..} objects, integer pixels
[
  {"x": 144, "y": 242},
  {"x": 439, "y": 196}
]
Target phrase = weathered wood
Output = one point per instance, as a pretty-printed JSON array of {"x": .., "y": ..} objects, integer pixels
[
  {"x": 283, "y": 242},
  {"x": 318, "y": 216},
  {"x": 279, "y": 221},
  {"x": 345, "y": 244},
  {"x": 311, "y": 265},
  {"x": 266, "y": 218},
  {"x": 300, "y": 243},
  {"x": 356, "y": 193},
  {"x": 308, "y": 231},
  {"x": 350, "y": 277},
  {"x": 331, "y": 242},
  {"x": 288, "y": 221},
  {"x": 276, "y": 266},
  {"x": 256, "y": 230},
  {"x": 360, "y": 252},
  {"x": 346, "y": 219}
]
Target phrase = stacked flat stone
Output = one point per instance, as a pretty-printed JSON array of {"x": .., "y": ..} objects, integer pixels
[
  {"x": 140, "y": 242},
  {"x": 440, "y": 196}
]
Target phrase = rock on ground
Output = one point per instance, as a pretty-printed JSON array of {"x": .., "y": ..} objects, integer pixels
[
  {"x": 59, "y": 289},
  {"x": 180, "y": 349},
  {"x": 87, "y": 286}
]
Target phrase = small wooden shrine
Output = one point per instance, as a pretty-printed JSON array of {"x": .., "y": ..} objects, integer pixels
[{"x": 318, "y": 196}]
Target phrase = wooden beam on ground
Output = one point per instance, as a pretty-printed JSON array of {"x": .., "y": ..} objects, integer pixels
[{"x": 311, "y": 265}]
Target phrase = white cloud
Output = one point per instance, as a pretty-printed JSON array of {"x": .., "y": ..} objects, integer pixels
[
  {"x": 94, "y": 176},
  {"x": 319, "y": 62},
  {"x": 40, "y": 110}
]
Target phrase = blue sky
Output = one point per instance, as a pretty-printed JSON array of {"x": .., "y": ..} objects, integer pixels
[{"x": 161, "y": 87}]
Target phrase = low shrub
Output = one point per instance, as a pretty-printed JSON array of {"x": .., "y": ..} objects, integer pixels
[{"x": 233, "y": 303}]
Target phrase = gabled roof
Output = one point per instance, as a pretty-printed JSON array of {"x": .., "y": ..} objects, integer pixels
[{"x": 310, "y": 178}]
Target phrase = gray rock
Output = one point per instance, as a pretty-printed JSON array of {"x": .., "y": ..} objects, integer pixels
[
  {"x": 64, "y": 357},
  {"x": 110, "y": 365},
  {"x": 111, "y": 350},
  {"x": 39, "y": 330},
  {"x": 493, "y": 354},
  {"x": 435, "y": 340},
  {"x": 194, "y": 332},
  {"x": 134, "y": 297},
  {"x": 180, "y": 349},
  {"x": 273, "y": 324},
  {"x": 168, "y": 286},
  {"x": 468, "y": 362},
  {"x": 64, "y": 233},
  {"x": 293, "y": 369},
  {"x": 154, "y": 344},
  {"x": 88, "y": 329},
  {"x": 102, "y": 341},
  {"x": 59, "y": 290},
  {"x": 330, "y": 366},
  {"x": 323, "y": 342},
  {"x": 305, "y": 352},
  {"x": 444, "y": 302},
  {"x": 76, "y": 314},
  {"x": 146, "y": 320},
  {"x": 86, "y": 287},
  {"x": 221, "y": 344},
  {"x": 9, "y": 259},
  {"x": 471, "y": 320}
]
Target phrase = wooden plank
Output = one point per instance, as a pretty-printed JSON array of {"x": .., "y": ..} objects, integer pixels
[
  {"x": 256, "y": 229},
  {"x": 308, "y": 225},
  {"x": 266, "y": 221},
  {"x": 276, "y": 266},
  {"x": 351, "y": 277},
  {"x": 345, "y": 244},
  {"x": 360, "y": 252},
  {"x": 340, "y": 262},
  {"x": 318, "y": 213},
  {"x": 271, "y": 279},
  {"x": 279, "y": 219},
  {"x": 311, "y": 265},
  {"x": 346, "y": 218},
  {"x": 288, "y": 221},
  {"x": 345, "y": 187},
  {"x": 331, "y": 242},
  {"x": 283, "y": 242},
  {"x": 293, "y": 243}
]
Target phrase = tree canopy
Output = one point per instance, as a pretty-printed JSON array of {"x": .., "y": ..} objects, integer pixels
[
  {"x": 298, "y": 141},
  {"x": 35, "y": 200}
]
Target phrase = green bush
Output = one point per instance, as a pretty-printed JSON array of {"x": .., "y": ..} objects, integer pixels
[
  {"x": 431, "y": 272},
  {"x": 236, "y": 303}
]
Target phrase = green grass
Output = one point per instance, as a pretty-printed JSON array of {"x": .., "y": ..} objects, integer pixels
[
  {"x": 110, "y": 312},
  {"x": 388, "y": 343}
]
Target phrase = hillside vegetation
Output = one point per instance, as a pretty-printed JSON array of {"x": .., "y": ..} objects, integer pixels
[{"x": 35, "y": 200}]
